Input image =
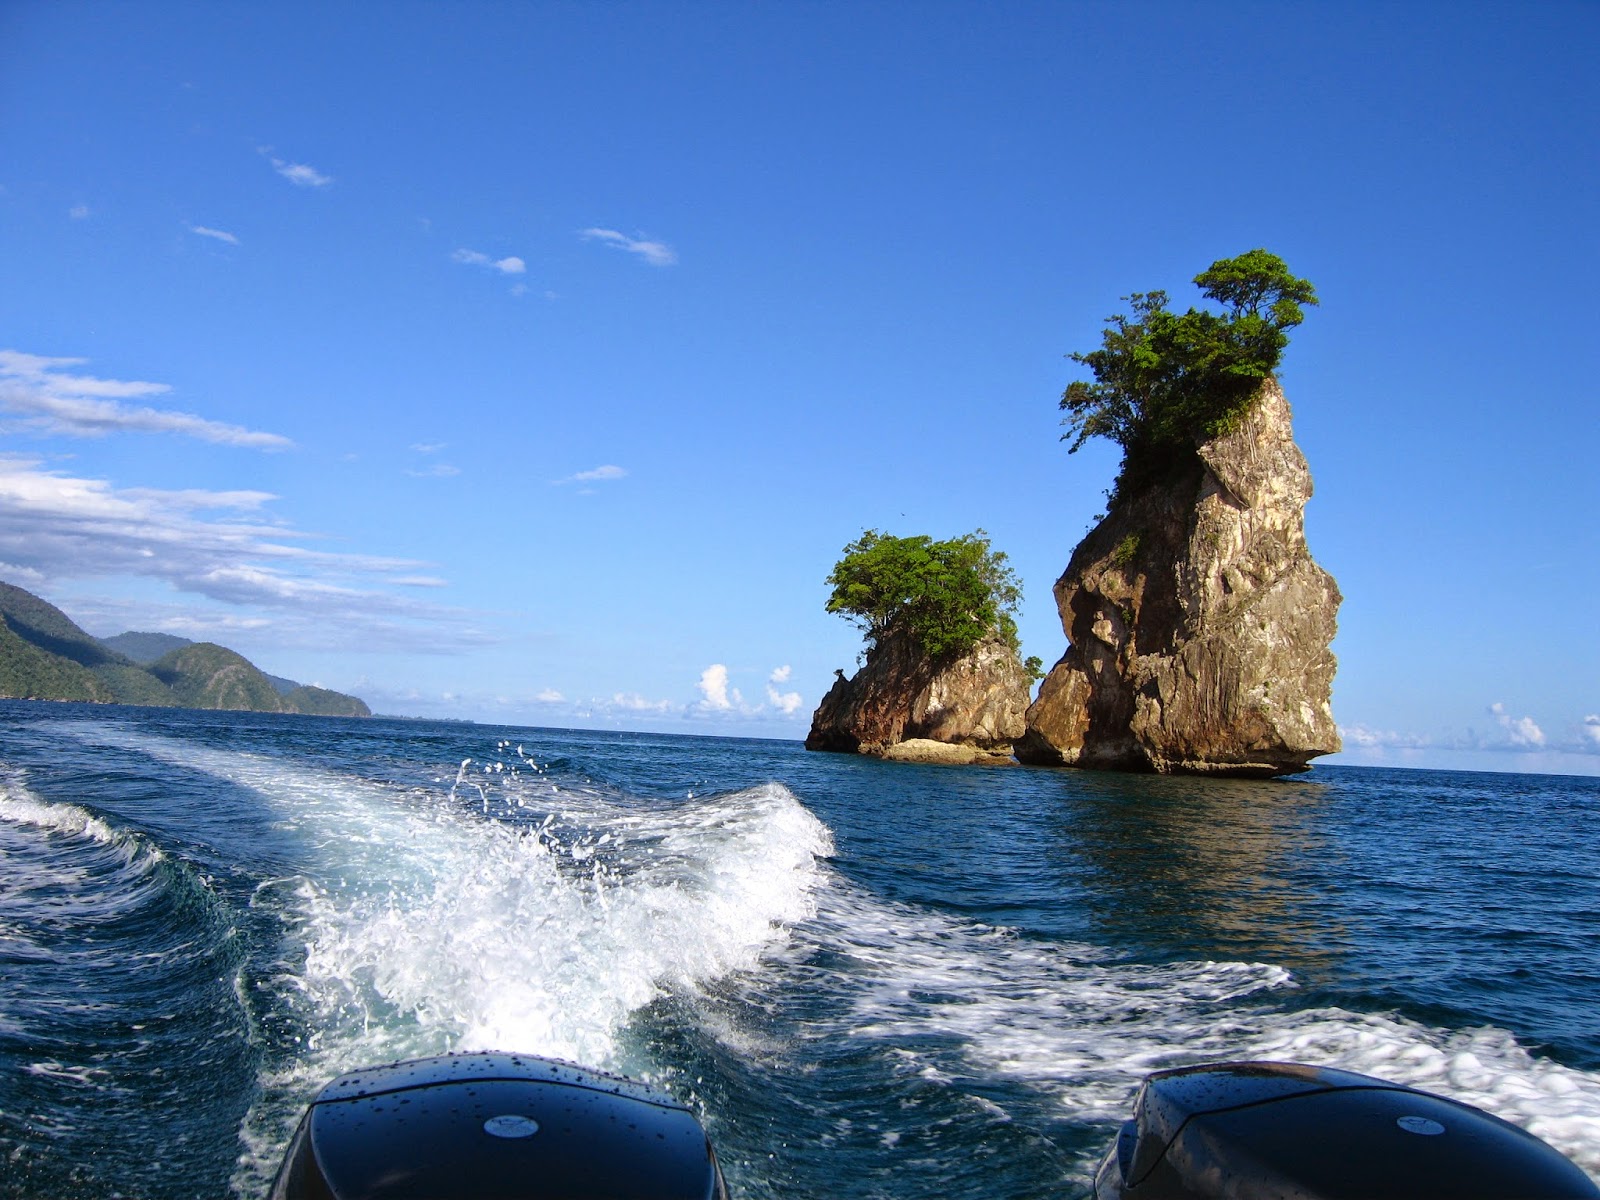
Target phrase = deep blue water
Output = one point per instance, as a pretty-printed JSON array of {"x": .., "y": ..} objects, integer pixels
[{"x": 871, "y": 979}]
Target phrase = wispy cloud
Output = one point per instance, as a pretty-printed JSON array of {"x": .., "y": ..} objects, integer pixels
[
  {"x": 299, "y": 174},
  {"x": 549, "y": 696},
  {"x": 1511, "y": 734},
  {"x": 657, "y": 254},
  {"x": 1521, "y": 730},
  {"x": 438, "y": 470},
  {"x": 218, "y": 545},
  {"x": 47, "y": 399},
  {"x": 601, "y": 474},
  {"x": 78, "y": 212},
  {"x": 510, "y": 265},
  {"x": 785, "y": 702},
  {"x": 199, "y": 499},
  {"x": 633, "y": 702},
  {"x": 220, "y": 235},
  {"x": 1367, "y": 738}
]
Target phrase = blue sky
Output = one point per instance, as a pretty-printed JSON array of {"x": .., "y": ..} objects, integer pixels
[{"x": 534, "y": 362}]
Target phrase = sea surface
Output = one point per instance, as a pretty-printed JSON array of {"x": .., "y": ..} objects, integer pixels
[{"x": 869, "y": 979}]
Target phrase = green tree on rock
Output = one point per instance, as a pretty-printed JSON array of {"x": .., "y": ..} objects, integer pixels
[
  {"x": 1164, "y": 382},
  {"x": 945, "y": 596}
]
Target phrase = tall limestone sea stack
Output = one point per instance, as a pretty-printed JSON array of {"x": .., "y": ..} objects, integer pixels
[{"x": 1198, "y": 623}]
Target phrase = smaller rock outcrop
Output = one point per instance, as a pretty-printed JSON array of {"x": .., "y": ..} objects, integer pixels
[
  {"x": 1198, "y": 623},
  {"x": 903, "y": 707}
]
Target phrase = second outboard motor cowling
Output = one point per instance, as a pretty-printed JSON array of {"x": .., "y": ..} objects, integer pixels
[
  {"x": 1266, "y": 1130},
  {"x": 496, "y": 1127}
]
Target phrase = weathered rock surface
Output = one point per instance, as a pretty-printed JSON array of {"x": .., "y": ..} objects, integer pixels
[
  {"x": 975, "y": 702},
  {"x": 1198, "y": 624},
  {"x": 925, "y": 750}
]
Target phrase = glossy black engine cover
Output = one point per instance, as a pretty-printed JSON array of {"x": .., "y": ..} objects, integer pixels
[
  {"x": 1279, "y": 1131},
  {"x": 496, "y": 1127}
]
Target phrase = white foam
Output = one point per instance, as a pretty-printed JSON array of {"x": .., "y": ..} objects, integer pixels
[
  {"x": 1085, "y": 1030},
  {"x": 415, "y": 926},
  {"x": 21, "y": 807},
  {"x": 420, "y": 927},
  {"x": 510, "y": 948},
  {"x": 58, "y": 857}
]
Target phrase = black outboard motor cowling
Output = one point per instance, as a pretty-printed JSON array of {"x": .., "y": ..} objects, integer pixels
[
  {"x": 496, "y": 1127},
  {"x": 1258, "y": 1130}
]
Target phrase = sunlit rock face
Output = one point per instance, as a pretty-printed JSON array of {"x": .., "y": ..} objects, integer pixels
[
  {"x": 975, "y": 702},
  {"x": 1199, "y": 626}
]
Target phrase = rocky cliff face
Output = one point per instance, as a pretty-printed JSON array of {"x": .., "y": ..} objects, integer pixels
[
  {"x": 1198, "y": 624},
  {"x": 900, "y": 706}
]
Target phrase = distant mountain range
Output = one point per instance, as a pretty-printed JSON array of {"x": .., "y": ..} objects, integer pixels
[{"x": 44, "y": 656}]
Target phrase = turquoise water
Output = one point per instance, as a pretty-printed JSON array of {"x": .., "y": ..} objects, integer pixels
[{"x": 870, "y": 979}]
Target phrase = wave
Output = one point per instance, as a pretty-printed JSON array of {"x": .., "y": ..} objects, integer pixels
[
  {"x": 971, "y": 1005},
  {"x": 514, "y": 905},
  {"x": 19, "y": 806},
  {"x": 520, "y": 910}
]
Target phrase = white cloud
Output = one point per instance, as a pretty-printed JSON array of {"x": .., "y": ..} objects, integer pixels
[
  {"x": 436, "y": 471},
  {"x": 714, "y": 687},
  {"x": 429, "y": 447},
  {"x": 299, "y": 174},
  {"x": 220, "y": 235},
  {"x": 510, "y": 265},
  {"x": 1590, "y": 732},
  {"x": 657, "y": 254},
  {"x": 633, "y": 702},
  {"x": 550, "y": 696},
  {"x": 55, "y": 527},
  {"x": 14, "y": 573},
  {"x": 1368, "y": 738},
  {"x": 593, "y": 475},
  {"x": 200, "y": 499},
  {"x": 47, "y": 399},
  {"x": 784, "y": 702},
  {"x": 1522, "y": 730},
  {"x": 78, "y": 212}
]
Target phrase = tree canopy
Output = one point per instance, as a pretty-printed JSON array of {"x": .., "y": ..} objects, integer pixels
[
  {"x": 946, "y": 596},
  {"x": 1165, "y": 381}
]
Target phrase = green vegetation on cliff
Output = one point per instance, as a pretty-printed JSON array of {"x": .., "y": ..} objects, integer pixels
[
  {"x": 321, "y": 702},
  {"x": 43, "y": 625},
  {"x": 29, "y": 673},
  {"x": 45, "y": 656},
  {"x": 1164, "y": 382},
  {"x": 946, "y": 596},
  {"x": 205, "y": 675}
]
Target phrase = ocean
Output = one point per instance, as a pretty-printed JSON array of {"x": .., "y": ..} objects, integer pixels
[{"x": 869, "y": 979}]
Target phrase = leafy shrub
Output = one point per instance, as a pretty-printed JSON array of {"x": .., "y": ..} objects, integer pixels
[
  {"x": 1165, "y": 382},
  {"x": 946, "y": 596}
]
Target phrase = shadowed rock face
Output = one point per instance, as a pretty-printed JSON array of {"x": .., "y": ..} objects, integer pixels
[
  {"x": 976, "y": 701},
  {"x": 1199, "y": 625}
]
